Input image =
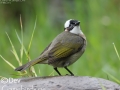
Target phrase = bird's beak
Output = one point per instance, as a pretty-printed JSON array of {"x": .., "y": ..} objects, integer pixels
[{"x": 77, "y": 23}]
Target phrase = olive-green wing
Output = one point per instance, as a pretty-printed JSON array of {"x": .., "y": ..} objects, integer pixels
[{"x": 61, "y": 50}]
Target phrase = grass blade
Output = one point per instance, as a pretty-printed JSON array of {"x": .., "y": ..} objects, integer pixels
[
  {"x": 21, "y": 42},
  {"x": 32, "y": 69},
  {"x": 21, "y": 50},
  {"x": 32, "y": 34},
  {"x": 103, "y": 88},
  {"x": 115, "y": 79},
  {"x": 116, "y": 51},
  {"x": 7, "y": 62},
  {"x": 13, "y": 50}
]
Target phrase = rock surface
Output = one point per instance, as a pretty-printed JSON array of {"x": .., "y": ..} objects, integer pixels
[{"x": 59, "y": 83}]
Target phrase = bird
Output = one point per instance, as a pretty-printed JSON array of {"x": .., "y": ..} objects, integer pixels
[{"x": 65, "y": 49}]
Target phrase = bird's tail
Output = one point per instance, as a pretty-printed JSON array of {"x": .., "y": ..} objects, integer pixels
[
  {"x": 29, "y": 64},
  {"x": 23, "y": 67}
]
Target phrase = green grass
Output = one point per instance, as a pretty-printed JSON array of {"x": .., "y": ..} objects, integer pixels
[
  {"x": 99, "y": 22},
  {"x": 110, "y": 75}
]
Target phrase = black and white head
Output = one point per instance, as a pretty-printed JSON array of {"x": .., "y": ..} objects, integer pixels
[{"x": 73, "y": 26}]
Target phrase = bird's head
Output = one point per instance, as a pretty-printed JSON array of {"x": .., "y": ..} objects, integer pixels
[{"x": 73, "y": 26}]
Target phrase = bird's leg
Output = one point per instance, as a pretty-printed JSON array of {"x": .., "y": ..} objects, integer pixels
[
  {"x": 69, "y": 71},
  {"x": 57, "y": 71}
]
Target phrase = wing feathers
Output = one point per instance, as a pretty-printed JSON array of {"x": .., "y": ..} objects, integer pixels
[{"x": 63, "y": 50}]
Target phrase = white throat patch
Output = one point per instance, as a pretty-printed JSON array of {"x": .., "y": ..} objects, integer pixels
[{"x": 76, "y": 30}]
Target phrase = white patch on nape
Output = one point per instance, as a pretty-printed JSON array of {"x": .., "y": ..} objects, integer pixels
[
  {"x": 76, "y": 30},
  {"x": 67, "y": 23}
]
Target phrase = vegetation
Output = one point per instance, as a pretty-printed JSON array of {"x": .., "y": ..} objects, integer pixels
[{"x": 99, "y": 22}]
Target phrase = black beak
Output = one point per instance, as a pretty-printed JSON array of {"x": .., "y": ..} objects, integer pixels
[{"x": 77, "y": 23}]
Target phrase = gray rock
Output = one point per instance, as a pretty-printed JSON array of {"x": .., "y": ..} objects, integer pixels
[{"x": 59, "y": 83}]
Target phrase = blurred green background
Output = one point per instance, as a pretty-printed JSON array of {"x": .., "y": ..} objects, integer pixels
[{"x": 100, "y": 22}]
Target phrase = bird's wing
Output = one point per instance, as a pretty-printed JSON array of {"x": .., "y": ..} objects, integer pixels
[{"x": 63, "y": 50}]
